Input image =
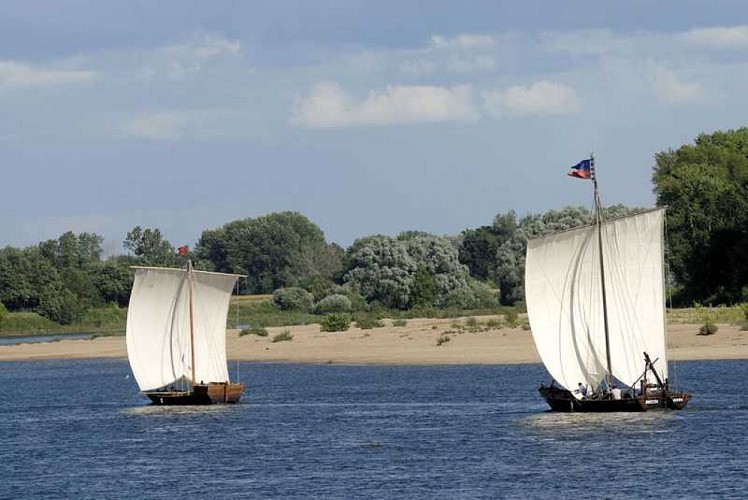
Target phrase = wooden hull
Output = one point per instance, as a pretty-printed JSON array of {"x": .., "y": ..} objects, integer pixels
[
  {"x": 564, "y": 401},
  {"x": 201, "y": 394}
]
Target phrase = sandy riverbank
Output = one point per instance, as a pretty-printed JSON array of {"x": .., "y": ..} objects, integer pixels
[{"x": 415, "y": 343}]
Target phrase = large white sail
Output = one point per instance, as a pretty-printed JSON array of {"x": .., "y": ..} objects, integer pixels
[
  {"x": 565, "y": 306},
  {"x": 158, "y": 326}
]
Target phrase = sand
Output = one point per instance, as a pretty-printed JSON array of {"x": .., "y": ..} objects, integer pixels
[{"x": 415, "y": 343}]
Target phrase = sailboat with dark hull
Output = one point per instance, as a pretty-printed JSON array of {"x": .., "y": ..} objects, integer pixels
[
  {"x": 596, "y": 304},
  {"x": 176, "y": 336}
]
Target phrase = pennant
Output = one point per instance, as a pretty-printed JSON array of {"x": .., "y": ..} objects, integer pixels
[
  {"x": 183, "y": 250},
  {"x": 583, "y": 170}
]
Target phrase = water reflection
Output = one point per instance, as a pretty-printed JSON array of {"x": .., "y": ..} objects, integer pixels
[
  {"x": 156, "y": 411},
  {"x": 597, "y": 422}
]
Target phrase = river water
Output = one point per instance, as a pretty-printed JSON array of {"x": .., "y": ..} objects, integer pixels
[{"x": 80, "y": 429}]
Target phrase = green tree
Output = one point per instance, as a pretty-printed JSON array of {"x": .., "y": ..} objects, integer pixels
[
  {"x": 73, "y": 251},
  {"x": 274, "y": 251},
  {"x": 413, "y": 269},
  {"x": 112, "y": 280},
  {"x": 705, "y": 186},
  {"x": 16, "y": 289},
  {"x": 424, "y": 288},
  {"x": 479, "y": 246},
  {"x": 3, "y": 313},
  {"x": 75, "y": 258},
  {"x": 150, "y": 247},
  {"x": 437, "y": 257},
  {"x": 382, "y": 270}
]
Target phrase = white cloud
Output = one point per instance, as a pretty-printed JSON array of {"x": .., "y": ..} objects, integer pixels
[
  {"x": 462, "y": 41},
  {"x": 418, "y": 67},
  {"x": 328, "y": 105},
  {"x": 672, "y": 89},
  {"x": 735, "y": 36},
  {"x": 589, "y": 42},
  {"x": 175, "y": 125},
  {"x": 20, "y": 75},
  {"x": 188, "y": 58},
  {"x": 540, "y": 98},
  {"x": 468, "y": 65}
]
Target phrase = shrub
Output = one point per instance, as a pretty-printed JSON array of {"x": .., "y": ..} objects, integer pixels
[
  {"x": 400, "y": 322},
  {"x": 3, "y": 312},
  {"x": 254, "y": 330},
  {"x": 335, "y": 303},
  {"x": 708, "y": 328},
  {"x": 511, "y": 316},
  {"x": 442, "y": 339},
  {"x": 493, "y": 324},
  {"x": 61, "y": 306},
  {"x": 336, "y": 322},
  {"x": 368, "y": 322},
  {"x": 293, "y": 299},
  {"x": 283, "y": 336}
]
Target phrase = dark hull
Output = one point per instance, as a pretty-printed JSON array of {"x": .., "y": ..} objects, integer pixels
[
  {"x": 564, "y": 401},
  {"x": 202, "y": 394}
]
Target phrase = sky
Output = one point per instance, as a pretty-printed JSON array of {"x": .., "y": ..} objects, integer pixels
[{"x": 367, "y": 117}]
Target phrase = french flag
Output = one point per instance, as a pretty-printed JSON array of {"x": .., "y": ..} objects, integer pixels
[{"x": 583, "y": 170}]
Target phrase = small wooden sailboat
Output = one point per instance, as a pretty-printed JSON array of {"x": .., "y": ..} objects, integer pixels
[
  {"x": 596, "y": 303},
  {"x": 176, "y": 336}
]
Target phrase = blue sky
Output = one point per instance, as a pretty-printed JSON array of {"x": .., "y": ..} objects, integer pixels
[{"x": 367, "y": 117}]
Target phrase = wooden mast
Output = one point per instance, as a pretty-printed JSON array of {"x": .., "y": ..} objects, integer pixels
[
  {"x": 192, "y": 322},
  {"x": 598, "y": 223}
]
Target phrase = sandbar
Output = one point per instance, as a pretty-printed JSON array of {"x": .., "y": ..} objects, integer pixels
[{"x": 417, "y": 343}]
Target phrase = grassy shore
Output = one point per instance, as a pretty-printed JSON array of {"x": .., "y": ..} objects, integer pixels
[
  {"x": 109, "y": 320},
  {"x": 259, "y": 311}
]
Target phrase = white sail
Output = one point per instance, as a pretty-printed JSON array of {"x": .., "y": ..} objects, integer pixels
[
  {"x": 158, "y": 326},
  {"x": 565, "y": 306}
]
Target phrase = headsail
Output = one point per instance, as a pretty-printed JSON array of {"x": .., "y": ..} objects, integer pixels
[
  {"x": 158, "y": 326},
  {"x": 564, "y": 299}
]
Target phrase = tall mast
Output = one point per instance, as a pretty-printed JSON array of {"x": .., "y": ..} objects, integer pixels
[
  {"x": 192, "y": 322},
  {"x": 598, "y": 223}
]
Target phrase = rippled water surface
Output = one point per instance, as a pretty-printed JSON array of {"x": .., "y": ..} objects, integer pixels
[{"x": 80, "y": 429}]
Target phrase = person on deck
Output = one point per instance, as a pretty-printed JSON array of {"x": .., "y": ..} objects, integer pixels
[
  {"x": 616, "y": 392},
  {"x": 581, "y": 389}
]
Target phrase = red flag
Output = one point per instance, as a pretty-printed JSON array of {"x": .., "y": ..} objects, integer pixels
[{"x": 183, "y": 250}]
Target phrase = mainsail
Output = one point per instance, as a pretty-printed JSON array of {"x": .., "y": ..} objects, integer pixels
[
  {"x": 158, "y": 326},
  {"x": 565, "y": 304}
]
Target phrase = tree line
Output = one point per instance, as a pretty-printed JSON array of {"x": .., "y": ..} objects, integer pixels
[{"x": 705, "y": 186}]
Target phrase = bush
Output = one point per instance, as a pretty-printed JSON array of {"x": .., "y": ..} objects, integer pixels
[
  {"x": 493, "y": 324},
  {"x": 442, "y": 339},
  {"x": 61, "y": 306},
  {"x": 3, "y": 312},
  {"x": 708, "y": 328},
  {"x": 335, "y": 303},
  {"x": 399, "y": 322},
  {"x": 511, "y": 316},
  {"x": 254, "y": 330},
  {"x": 367, "y": 322},
  {"x": 293, "y": 299},
  {"x": 283, "y": 336},
  {"x": 336, "y": 322}
]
